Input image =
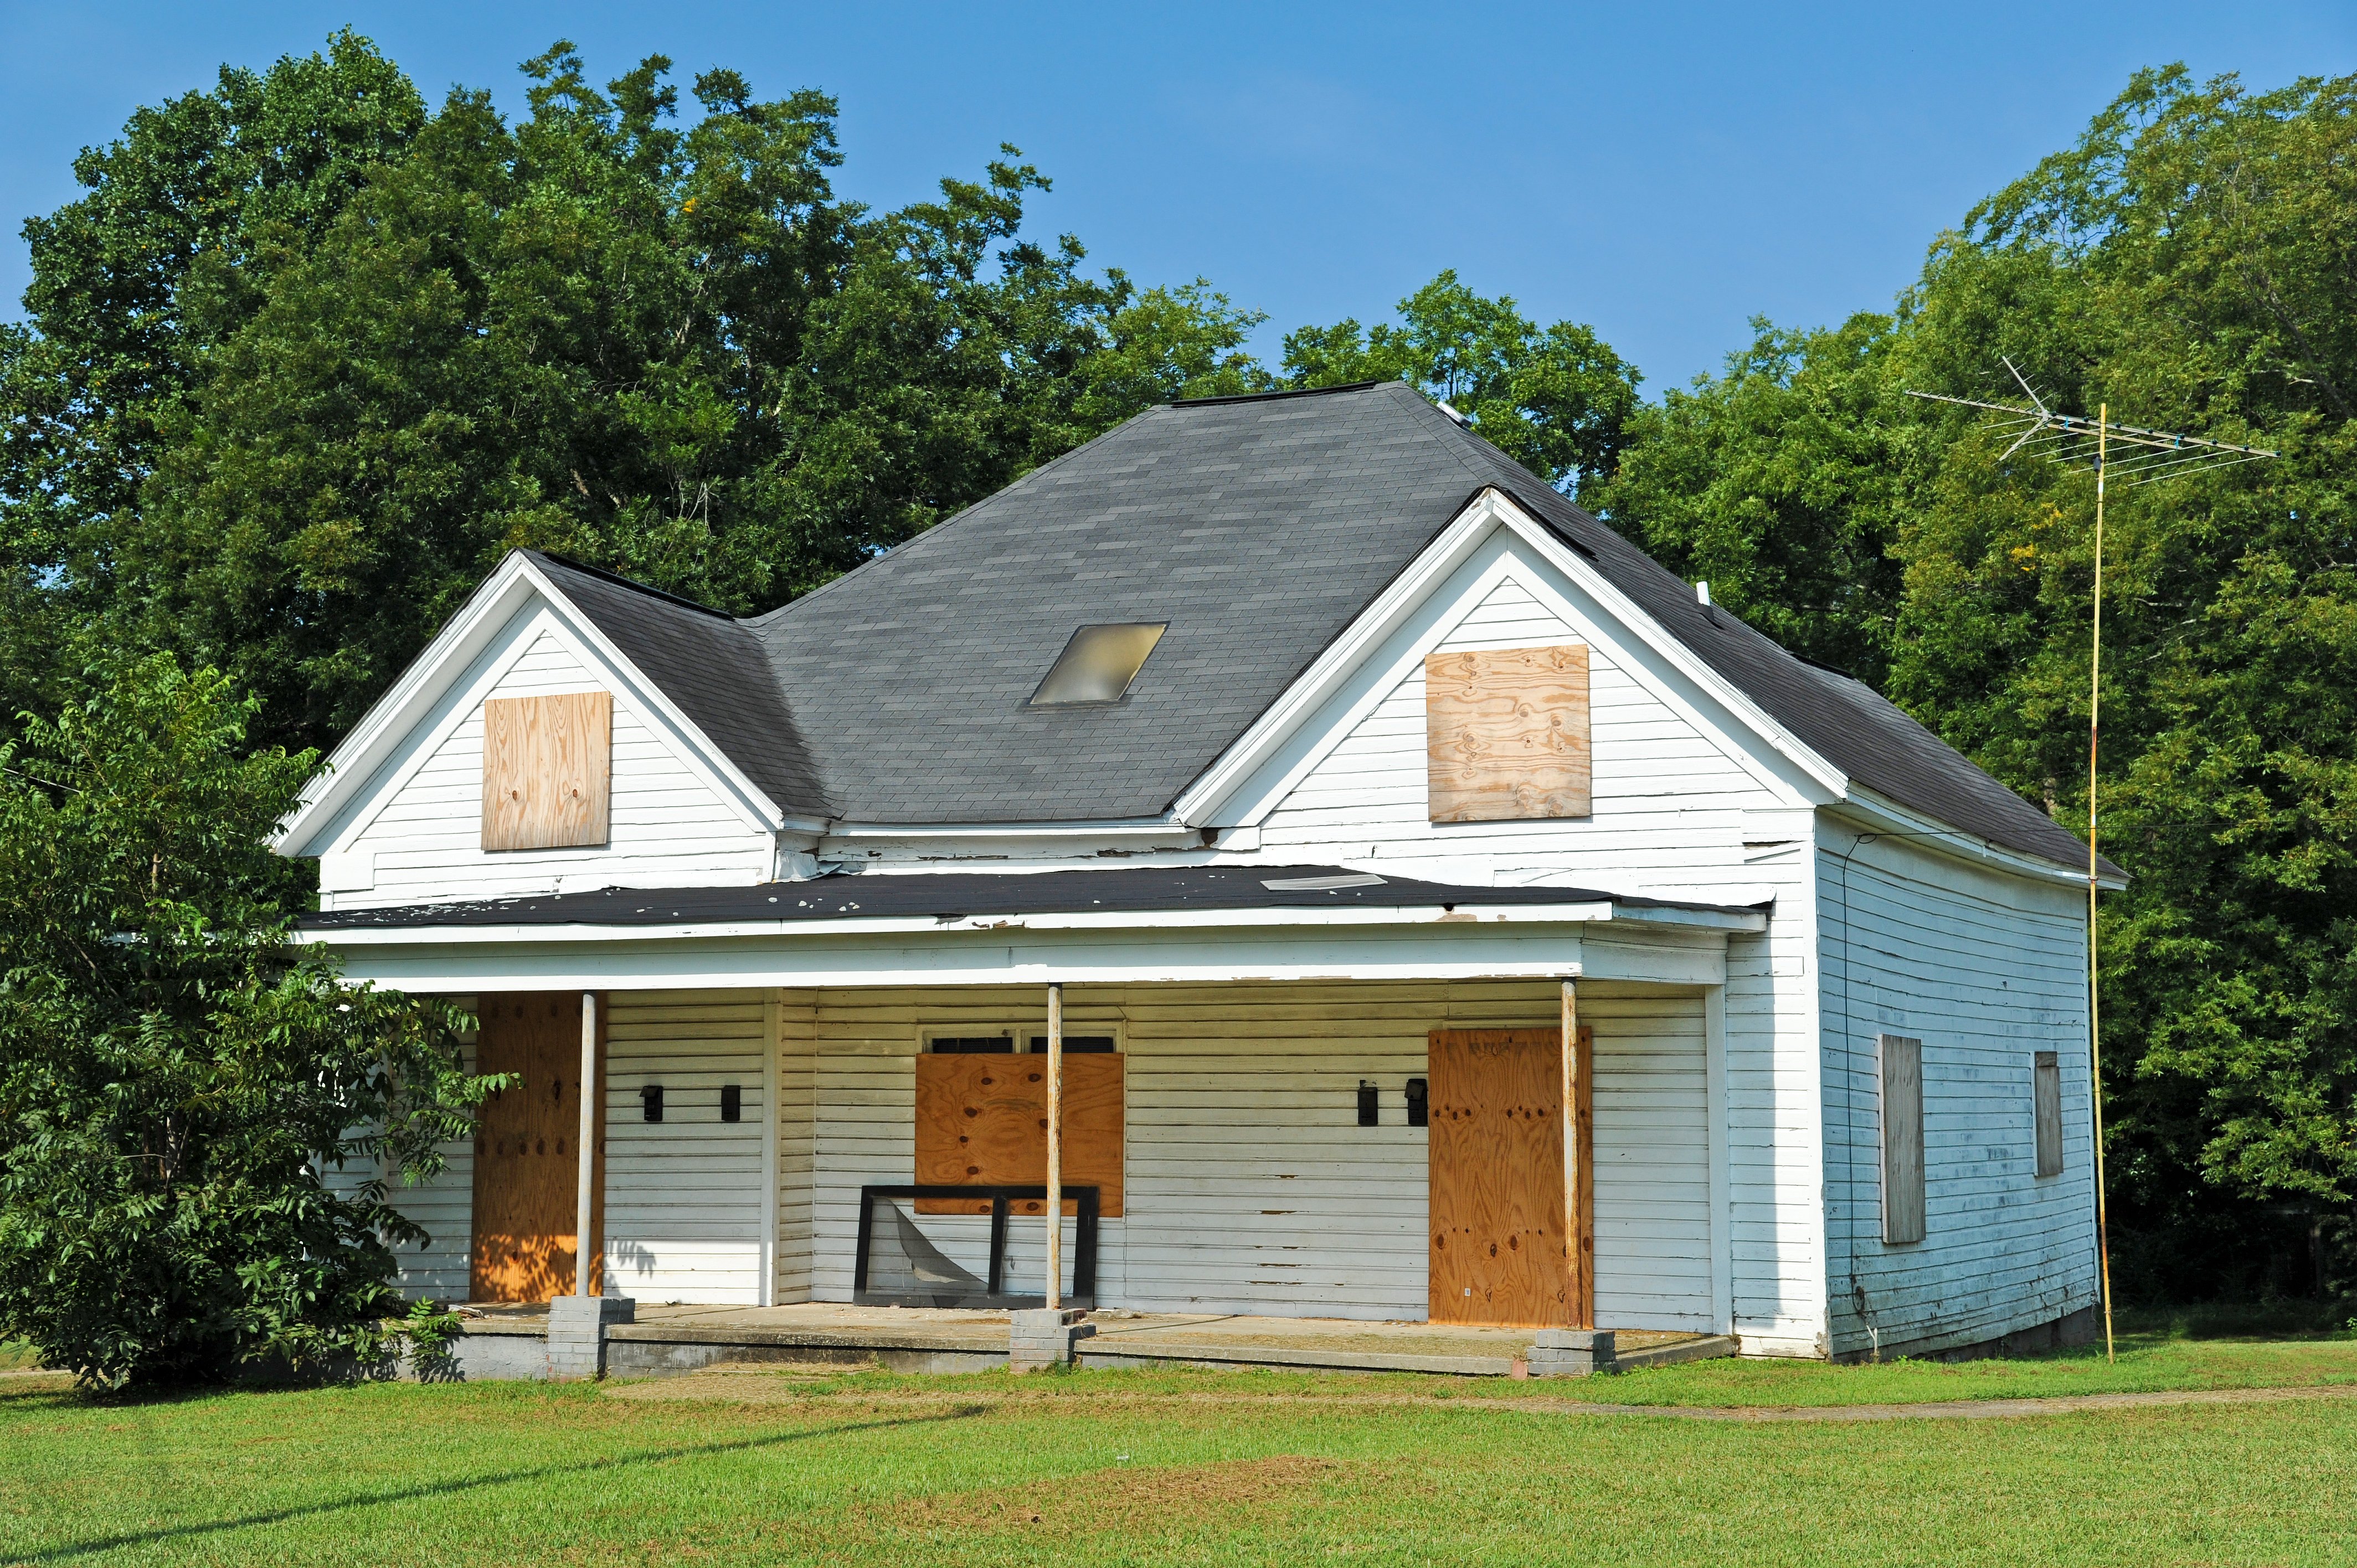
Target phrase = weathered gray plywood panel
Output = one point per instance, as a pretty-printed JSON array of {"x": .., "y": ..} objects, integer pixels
[{"x": 1902, "y": 1139}]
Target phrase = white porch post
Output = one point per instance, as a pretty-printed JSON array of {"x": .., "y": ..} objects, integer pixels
[
  {"x": 1055, "y": 1143},
  {"x": 586, "y": 1143}
]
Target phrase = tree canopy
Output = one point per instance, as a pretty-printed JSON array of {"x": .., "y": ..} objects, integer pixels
[
  {"x": 308, "y": 359},
  {"x": 2187, "y": 264}
]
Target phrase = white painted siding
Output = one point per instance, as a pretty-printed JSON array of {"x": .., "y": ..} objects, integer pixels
[
  {"x": 1675, "y": 816},
  {"x": 1986, "y": 971},
  {"x": 797, "y": 1139},
  {"x": 424, "y": 844},
  {"x": 1248, "y": 1185},
  {"x": 684, "y": 1202}
]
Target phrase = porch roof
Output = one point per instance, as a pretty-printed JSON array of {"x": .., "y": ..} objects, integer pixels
[{"x": 948, "y": 899}]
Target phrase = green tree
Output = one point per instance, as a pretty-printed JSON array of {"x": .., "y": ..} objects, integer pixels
[
  {"x": 188, "y": 214},
  {"x": 673, "y": 351},
  {"x": 177, "y": 1078},
  {"x": 1781, "y": 482},
  {"x": 1558, "y": 400},
  {"x": 2186, "y": 263}
]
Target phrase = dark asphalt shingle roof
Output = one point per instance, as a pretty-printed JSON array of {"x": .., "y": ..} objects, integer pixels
[
  {"x": 946, "y": 896},
  {"x": 1258, "y": 529}
]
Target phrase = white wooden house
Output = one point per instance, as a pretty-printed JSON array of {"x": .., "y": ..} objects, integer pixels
[{"x": 1299, "y": 739}]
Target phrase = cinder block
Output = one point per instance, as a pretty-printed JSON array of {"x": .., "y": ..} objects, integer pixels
[
  {"x": 577, "y": 1333},
  {"x": 1040, "y": 1338},
  {"x": 1571, "y": 1352}
]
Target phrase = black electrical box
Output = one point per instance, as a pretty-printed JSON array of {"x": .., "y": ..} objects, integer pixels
[
  {"x": 732, "y": 1103},
  {"x": 650, "y": 1099},
  {"x": 1419, "y": 1106},
  {"x": 1367, "y": 1103}
]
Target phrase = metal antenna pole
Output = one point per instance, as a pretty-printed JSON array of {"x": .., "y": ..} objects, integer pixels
[
  {"x": 2094, "y": 1035},
  {"x": 2153, "y": 455}
]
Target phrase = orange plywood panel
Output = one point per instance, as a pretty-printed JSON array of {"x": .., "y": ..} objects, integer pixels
[
  {"x": 548, "y": 765},
  {"x": 982, "y": 1120},
  {"x": 527, "y": 1156},
  {"x": 1499, "y": 1252},
  {"x": 1507, "y": 733}
]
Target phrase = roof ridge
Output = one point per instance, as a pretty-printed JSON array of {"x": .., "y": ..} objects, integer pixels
[
  {"x": 1278, "y": 392},
  {"x": 615, "y": 579}
]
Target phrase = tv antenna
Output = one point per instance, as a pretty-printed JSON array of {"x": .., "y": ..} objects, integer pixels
[{"x": 2076, "y": 441}]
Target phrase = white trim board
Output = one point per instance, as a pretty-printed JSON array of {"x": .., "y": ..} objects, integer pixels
[
  {"x": 494, "y": 628},
  {"x": 1414, "y": 614}
]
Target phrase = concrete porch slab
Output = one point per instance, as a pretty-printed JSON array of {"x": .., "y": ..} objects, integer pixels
[{"x": 673, "y": 1340}]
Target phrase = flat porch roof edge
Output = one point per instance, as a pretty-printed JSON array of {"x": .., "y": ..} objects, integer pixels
[{"x": 1126, "y": 898}]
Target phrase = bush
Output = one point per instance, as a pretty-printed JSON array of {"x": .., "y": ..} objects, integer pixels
[{"x": 178, "y": 1074}]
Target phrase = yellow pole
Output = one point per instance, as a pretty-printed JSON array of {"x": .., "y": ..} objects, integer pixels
[{"x": 2095, "y": 1036}]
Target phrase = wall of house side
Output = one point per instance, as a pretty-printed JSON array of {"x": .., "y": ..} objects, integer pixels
[
  {"x": 1675, "y": 816},
  {"x": 424, "y": 844},
  {"x": 1987, "y": 969},
  {"x": 1250, "y": 1187},
  {"x": 684, "y": 1202}
]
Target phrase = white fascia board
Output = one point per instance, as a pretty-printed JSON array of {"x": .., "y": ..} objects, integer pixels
[
  {"x": 1201, "y": 803},
  {"x": 1870, "y": 814},
  {"x": 1673, "y": 653},
  {"x": 1390, "y": 639},
  {"x": 458, "y": 654}
]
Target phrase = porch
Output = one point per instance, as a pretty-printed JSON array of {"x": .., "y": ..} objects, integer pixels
[
  {"x": 1339, "y": 1112},
  {"x": 670, "y": 1340}
]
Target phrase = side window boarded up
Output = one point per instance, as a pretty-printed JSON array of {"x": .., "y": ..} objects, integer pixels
[
  {"x": 2046, "y": 1092},
  {"x": 1902, "y": 1062},
  {"x": 548, "y": 766}
]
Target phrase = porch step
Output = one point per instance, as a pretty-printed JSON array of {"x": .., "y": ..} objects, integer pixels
[{"x": 1701, "y": 1348}]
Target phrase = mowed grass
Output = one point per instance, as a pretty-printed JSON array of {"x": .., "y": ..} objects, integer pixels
[{"x": 1181, "y": 1467}]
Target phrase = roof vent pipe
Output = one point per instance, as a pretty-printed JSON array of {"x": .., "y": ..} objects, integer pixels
[{"x": 1701, "y": 593}]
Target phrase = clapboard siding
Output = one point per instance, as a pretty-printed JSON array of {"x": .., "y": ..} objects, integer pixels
[
  {"x": 1986, "y": 971},
  {"x": 1676, "y": 815},
  {"x": 797, "y": 1139},
  {"x": 685, "y": 1209},
  {"x": 1250, "y": 1187},
  {"x": 668, "y": 827}
]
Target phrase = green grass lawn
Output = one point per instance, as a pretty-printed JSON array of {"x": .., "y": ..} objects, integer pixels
[{"x": 1181, "y": 1467}]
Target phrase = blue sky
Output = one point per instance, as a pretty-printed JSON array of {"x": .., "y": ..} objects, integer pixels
[{"x": 1661, "y": 172}]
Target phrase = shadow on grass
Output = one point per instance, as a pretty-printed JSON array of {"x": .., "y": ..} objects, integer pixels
[
  {"x": 2237, "y": 1320},
  {"x": 474, "y": 1483}
]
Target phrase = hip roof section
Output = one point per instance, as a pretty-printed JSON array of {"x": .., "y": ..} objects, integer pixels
[{"x": 1257, "y": 528}]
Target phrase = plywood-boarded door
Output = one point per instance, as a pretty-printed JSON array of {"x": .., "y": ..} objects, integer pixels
[
  {"x": 527, "y": 1154},
  {"x": 1497, "y": 1179}
]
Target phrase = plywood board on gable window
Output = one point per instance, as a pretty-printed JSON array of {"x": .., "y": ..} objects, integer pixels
[
  {"x": 548, "y": 765},
  {"x": 982, "y": 1121},
  {"x": 1507, "y": 733}
]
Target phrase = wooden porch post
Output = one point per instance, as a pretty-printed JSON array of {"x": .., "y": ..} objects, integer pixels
[
  {"x": 1575, "y": 1241},
  {"x": 1055, "y": 1143},
  {"x": 587, "y": 1143}
]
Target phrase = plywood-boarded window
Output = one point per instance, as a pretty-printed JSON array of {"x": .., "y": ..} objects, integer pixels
[
  {"x": 1506, "y": 734},
  {"x": 2046, "y": 1100},
  {"x": 548, "y": 765},
  {"x": 1901, "y": 1060},
  {"x": 982, "y": 1121}
]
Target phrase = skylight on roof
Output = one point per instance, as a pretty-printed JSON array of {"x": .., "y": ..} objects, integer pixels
[{"x": 1098, "y": 664}]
